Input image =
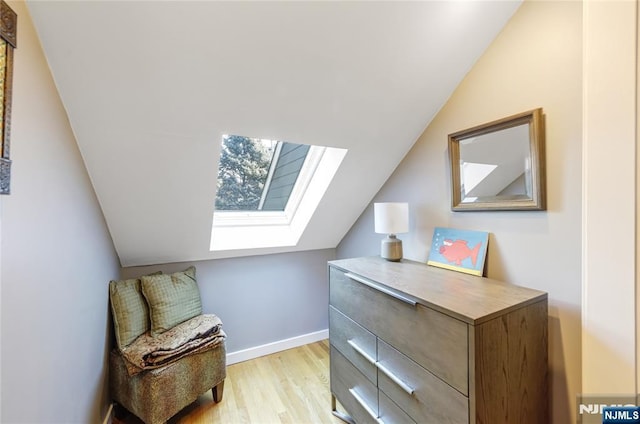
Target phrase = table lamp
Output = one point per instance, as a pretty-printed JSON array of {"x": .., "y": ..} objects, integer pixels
[{"x": 391, "y": 219}]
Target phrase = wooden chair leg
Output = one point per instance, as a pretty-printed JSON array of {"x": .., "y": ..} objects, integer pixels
[
  {"x": 217, "y": 392},
  {"x": 120, "y": 413}
]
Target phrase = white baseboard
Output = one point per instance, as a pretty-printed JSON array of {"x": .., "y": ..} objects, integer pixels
[
  {"x": 269, "y": 348},
  {"x": 108, "y": 419}
]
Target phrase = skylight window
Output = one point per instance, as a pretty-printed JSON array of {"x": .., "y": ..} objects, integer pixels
[
  {"x": 257, "y": 175},
  {"x": 267, "y": 191}
]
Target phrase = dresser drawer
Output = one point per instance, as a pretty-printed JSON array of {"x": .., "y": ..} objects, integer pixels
[
  {"x": 390, "y": 413},
  {"x": 354, "y": 342},
  {"x": 352, "y": 389},
  {"x": 432, "y": 339},
  {"x": 423, "y": 396}
]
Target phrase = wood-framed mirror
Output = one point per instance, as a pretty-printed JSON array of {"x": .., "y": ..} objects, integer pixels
[
  {"x": 499, "y": 165},
  {"x": 8, "y": 24}
]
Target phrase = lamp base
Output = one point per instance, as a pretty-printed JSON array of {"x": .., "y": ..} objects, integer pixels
[{"x": 391, "y": 248}]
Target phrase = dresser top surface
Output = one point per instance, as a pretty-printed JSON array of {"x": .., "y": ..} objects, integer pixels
[{"x": 467, "y": 297}]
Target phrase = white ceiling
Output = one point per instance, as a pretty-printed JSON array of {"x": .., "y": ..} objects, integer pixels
[{"x": 150, "y": 87}]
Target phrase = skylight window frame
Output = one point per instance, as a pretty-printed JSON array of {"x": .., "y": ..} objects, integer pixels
[
  {"x": 260, "y": 230},
  {"x": 275, "y": 218}
]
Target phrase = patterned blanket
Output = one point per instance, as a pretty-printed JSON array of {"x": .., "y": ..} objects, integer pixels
[{"x": 195, "y": 335}]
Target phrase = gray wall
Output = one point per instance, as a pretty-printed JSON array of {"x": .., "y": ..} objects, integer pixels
[
  {"x": 261, "y": 299},
  {"x": 57, "y": 258},
  {"x": 535, "y": 62}
]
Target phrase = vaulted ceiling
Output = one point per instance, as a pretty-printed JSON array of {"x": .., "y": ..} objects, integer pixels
[{"x": 151, "y": 86}]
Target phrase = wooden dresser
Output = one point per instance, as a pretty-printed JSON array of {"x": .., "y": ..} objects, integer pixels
[{"x": 413, "y": 343}]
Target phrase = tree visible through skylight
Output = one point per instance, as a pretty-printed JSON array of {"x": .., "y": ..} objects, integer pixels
[
  {"x": 257, "y": 174},
  {"x": 242, "y": 172}
]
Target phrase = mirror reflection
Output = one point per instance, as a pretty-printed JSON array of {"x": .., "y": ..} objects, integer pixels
[{"x": 497, "y": 165}]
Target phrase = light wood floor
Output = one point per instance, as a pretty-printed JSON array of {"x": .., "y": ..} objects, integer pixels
[{"x": 286, "y": 387}]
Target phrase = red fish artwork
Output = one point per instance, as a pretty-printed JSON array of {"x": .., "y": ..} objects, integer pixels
[{"x": 457, "y": 251}]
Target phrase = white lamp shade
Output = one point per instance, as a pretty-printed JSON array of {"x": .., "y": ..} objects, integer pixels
[{"x": 391, "y": 218}]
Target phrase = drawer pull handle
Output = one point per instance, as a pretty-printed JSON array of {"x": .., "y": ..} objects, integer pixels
[
  {"x": 364, "y": 405},
  {"x": 380, "y": 288},
  {"x": 404, "y": 386},
  {"x": 361, "y": 351}
]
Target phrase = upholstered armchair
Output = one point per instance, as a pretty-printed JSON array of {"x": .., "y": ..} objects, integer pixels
[{"x": 168, "y": 353}]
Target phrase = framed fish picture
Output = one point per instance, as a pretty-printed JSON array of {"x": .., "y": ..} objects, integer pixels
[{"x": 459, "y": 250}]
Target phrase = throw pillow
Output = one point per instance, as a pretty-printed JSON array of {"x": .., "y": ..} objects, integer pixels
[
  {"x": 129, "y": 310},
  {"x": 172, "y": 299}
]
